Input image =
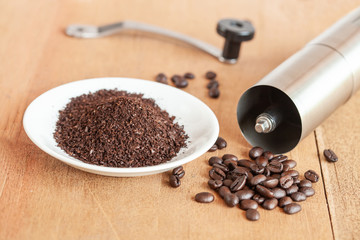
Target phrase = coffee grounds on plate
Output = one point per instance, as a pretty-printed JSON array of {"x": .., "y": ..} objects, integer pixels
[{"x": 118, "y": 129}]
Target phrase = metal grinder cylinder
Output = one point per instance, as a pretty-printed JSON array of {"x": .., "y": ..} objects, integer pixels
[{"x": 290, "y": 102}]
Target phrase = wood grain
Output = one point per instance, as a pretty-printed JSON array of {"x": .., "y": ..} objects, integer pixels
[{"x": 41, "y": 198}]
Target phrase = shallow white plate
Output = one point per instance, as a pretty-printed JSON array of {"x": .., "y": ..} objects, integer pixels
[{"x": 199, "y": 121}]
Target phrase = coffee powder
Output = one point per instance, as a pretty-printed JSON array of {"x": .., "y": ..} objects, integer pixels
[{"x": 118, "y": 129}]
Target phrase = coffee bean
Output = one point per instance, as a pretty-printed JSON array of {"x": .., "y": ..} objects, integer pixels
[
  {"x": 161, "y": 78},
  {"x": 284, "y": 201},
  {"x": 256, "y": 168},
  {"x": 221, "y": 143},
  {"x": 227, "y": 182},
  {"x": 204, "y": 197},
  {"x": 286, "y": 167},
  {"x": 286, "y": 181},
  {"x": 266, "y": 172},
  {"x": 258, "y": 198},
  {"x": 276, "y": 176},
  {"x": 261, "y": 161},
  {"x": 298, "y": 197},
  {"x": 270, "y": 204},
  {"x": 213, "y": 148},
  {"x": 275, "y": 167},
  {"x": 238, "y": 184},
  {"x": 178, "y": 171},
  {"x": 294, "y": 188},
  {"x": 217, "y": 174},
  {"x": 175, "y": 78},
  {"x": 222, "y": 166},
  {"x": 280, "y": 158},
  {"x": 237, "y": 172},
  {"x": 181, "y": 174},
  {"x": 257, "y": 180},
  {"x": 293, "y": 173},
  {"x": 248, "y": 204},
  {"x": 229, "y": 156},
  {"x": 245, "y": 194},
  {"x": 255, "y": 152},
  {"x": 269, "y": 155},
  {"x": 231, "y": 200},
  {"x": 296, "y": 181},
  {"x": 189, "y": 75},
  {"x": 252, "y": 215},
  {"x": 308, "y": 191},
  {"x": 278, "y": 192},
  {"x": 270, "y": 182},
  {"x": 210, "y": 75},
  {"x": 263, "y": 191},
  {"x": 292, "y": 208},
  {"x": 212, "y": 84},
  {"x": 215, "y": 184},
  {"x": 174, "y": 181},
  {"x": 330, "y": 156},
  {"x": 244, "y": 163},
  {"x": 305, "y": 183},
  {"x": 312, "y": 176},
  {"x": 181, "y": 83},
  {"x": 214, "y": 160},
  {"x": 214, "y": 92},
  {"x": 231, "y": 164},
  {"x": 290, "y": 162},
  {"x": 223, "y": 190}
]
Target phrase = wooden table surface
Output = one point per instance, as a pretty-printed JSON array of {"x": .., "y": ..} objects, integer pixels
[{"x": 42, "y": 198}]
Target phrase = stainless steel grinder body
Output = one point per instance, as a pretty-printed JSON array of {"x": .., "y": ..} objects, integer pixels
[{"x": 304, "y": 90}]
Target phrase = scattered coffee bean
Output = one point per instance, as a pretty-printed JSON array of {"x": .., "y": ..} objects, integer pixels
[
  {"x": 269, "y": 155},
  {"x": 210, "y": 75},
  {"x": 305, "y": 183},
  {"x": 175, "y": 78},
  {"x": 244, "y": 163},
  {"x": 330, "y": 156},
  {"x": 261, "y": 161},
  {"x": 294, "y": 188},
  {"x": 292, "y": 208},
  {"x": 308, "y": 191},
  {"x": 245, "y": 194},
  {"x": 229, "y": 156},
  {"x": 214, "y": 160},
  {"x": 248, "y": 204},
  {"x": 270, "y": 204},
  {"x": 252, "y": 215},
  {"x": 312, "y": 176},
  {"x": 214, "y": 92},
  {"x": 256, "y": 169},
  {"x": 286, "y": 181},
  {"x": 204, "y": 197},
  {"x": 213, "y": 148},
  {"x": 181, "y": 82},
  {"x": 174, "y": 181},
  {"x": 284, "y": 201},
  {"x": 293, "y": 173},
  {"x": 161, "y": 78},
  {"x": 263, "y": 191},
  {"x": 215, "y": 184},
  {"x": 278, "y": 192},
  {"x": 227, "y": 182},
  {"x": 280, "y": 158},
  {"x": 275, "y": 167},
  {"x": 270, "y": 182},
  {"x": 298, "y": 197},
  {"x": 231, "y": 164},
  {"x": 217, "y": 174},
  {"x": 212, "y": 84},
  {"x": 189, "y": 75},
  {"x": 258, "y": 198},
  {"x": 290, "y": 162},
  {"x": 286, "y": 167},
  {"x": 222, "y": 166},
  {"x": 221, "y": 143},
  {"x": 179, "y": 171},
  {"x": 257, "y": 179},
  {"x": 238, "y": 184},
  {"x": 223, "y": 190},
  {"x": 231, "y": 200},
  {"x": 255, "y": 152}
]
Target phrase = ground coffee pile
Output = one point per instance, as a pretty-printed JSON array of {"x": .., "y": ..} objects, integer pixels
[{"x": 118, "y": 129}]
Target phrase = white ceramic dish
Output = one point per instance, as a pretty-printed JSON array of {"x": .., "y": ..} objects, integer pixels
[{"x": 199, "y": 121}]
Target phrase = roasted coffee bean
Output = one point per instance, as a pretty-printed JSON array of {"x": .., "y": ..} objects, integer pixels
[
  {"x": 256, "y": 168},
  {"x": 252, "y": 215},
  {"x": 221, "y": 143},
  {"x": 248, "y": 204},
  {"x": 244, "y": 163},
  {"x": 181, "y": 83},
  {"x": 227, "y": 182},
  {"x": 161, "y": 78},
  {"x": 231, "y": 200},
  {"x": 210, "y": 75},
  {"x": 189, "y": 75},
  {"x": 204, "y": 197},
  {"x": 213, "y": 148},
  {"x": 229, "y": 156},
  {"x": 311, "y": 176},
  {"x": 245, "y": 194},
  {"x": 267, "y": 172},
  {"x": 224, "y": 190},
  {"x": 262, "y": 161},
  {"x": 214, "y": 160},
  {"x": 212, "y": 84},
  {"x": 296, "y": 181},
  {"x": 258, "y": 198},
  {"x": 298, "y": 196},
  {"x": 222, "y": 166},
  {"x": 278, "y": 193},
  {"x": 275, "y": 167},
  {"x": 255, "y": 152},
  {"x": 293, "y": 173},
  {"x": 279, "y": 158},
  {"x": 308, "y": 191},
  {"x": 215, "y": 184},
  {"x": 270, "y": 182},
  {"x": 284, "y": 201},
  {"x": 270, "y": 204},
  {"x": 217, "y": 174},
  {"x": 214, "y": 92},
  {"x": 269, "y": 155},
  {"x": 286, "y": 181},
  {"x": 238, "y": 184},
  {"x": 175, "y": 78},
  {"x": 263, "y": 191},
  {"x": 231, "y": 164},
  {"x": 286, "y": 167},
  {"x": 178, "y": 171},
  {"x": 257, "y": 179},
  {"x": 330, "y": 156},
  {"x": 292, "y": 208},
  {"x": 305, "y": 183},
  {"x": 290, "y": 162},
  {"x": 278, "y": 176},
  {"x": 294, "y": 188},
  {"x": 174, "y": 181}
]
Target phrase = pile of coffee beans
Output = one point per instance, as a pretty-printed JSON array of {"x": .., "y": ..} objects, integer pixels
[
  {"x": 330, "y": 156},
  {"x": 213, "y": 85},
  {"x": 265, "y": 179},
  {"x": 219, "y": 144},
  {"x": 175, "y": 177},
  {"x": 118, "y": 129}
]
